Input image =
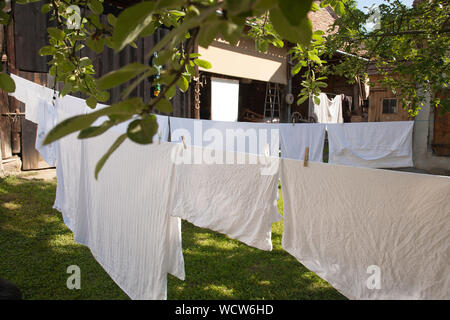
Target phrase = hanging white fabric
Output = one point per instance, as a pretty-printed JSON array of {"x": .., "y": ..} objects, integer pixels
[
  {"x": 372, "y": 234},
  {"x": 295, "y": 138},
  {"x": 328, "y": 111},
  {"x": 47, "y": 119},
  {"x": 68, "y": 163},
  {"x": 124, "y": 216},
  {"x": 31, "y": 94},
  {"x": 371, "y": 144},
  {"x": 245, "y": 137},
  {"x": 224, "y": 99},
  {"x": 236, "y": 199}
]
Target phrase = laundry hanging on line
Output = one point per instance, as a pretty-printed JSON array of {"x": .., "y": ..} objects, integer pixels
[
  {"x": 244, "y": 137},
  {"x": 371, "y": 144},
  {"x": 372, "y": 227},
  {"x": 350, "y": 225},
  {"x": 123, "y": 217},
  {"x": 31, "y": 94},
  {"x": 295, "y": 138},
  {"x": 238, "y": 200},
  {"x": 68, "y": 160},
  {"x": 328, "y": 111},
  {"x": 47, "y": 119}
]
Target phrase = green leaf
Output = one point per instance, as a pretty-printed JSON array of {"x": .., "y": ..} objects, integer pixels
[
  {"x": 183, "y": 84},
  {"x": 164, "y": 105},
  {"x": 316, "y": 100},
  {"x": 91, "y": 102},
  {"x": 163, "y": 57},
  {"x": 97, "y": 45},
  {"x": 102, "y": 96},
  {"x": 122, "y": 75},
  {"x": 95, "y": 131},
  {"x": 47, "y": 51},
  {"x": 302, "y": 99},
  {"x": 113, "y": 148},
  {"x": 131, "y": 22},
  {"x": 95, "y": 6},
  {"x": 56, "y": 33},
  {"x": 295, "y": 34},
  {"x": 46, "y": 8},
  {"x": 262, "y": 45},
  {"x": 296, "y": 68},
  {"x": 7, "y": 83},
  {"x": 149, "y": 30},
  {"x": 80, "y": 122},
  {"x": 85, "y": 61},
  {"x": 208, "y": 33},
  {"x": 170, "y": 92},
  {"x": 294, "y": 10},
  {"x": 142, "y": 131},
  {"x": 67, "y": 89},
  {"x": 111, "y": 19},
  {"x": 339, "y": 8},
  {"x": 203, "y": 63}
]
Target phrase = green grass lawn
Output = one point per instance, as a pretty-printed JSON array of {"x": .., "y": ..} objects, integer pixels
[{"x": 36, "y": 248}]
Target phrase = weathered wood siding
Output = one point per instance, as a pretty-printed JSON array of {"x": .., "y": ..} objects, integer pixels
[
  {"x": 441, "y": 133},
  {"x": 27, "y": 35},
  {"x": 377, "y": 94}
]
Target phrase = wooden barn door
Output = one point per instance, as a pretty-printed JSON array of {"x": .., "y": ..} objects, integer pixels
[{"x": 441, "y": 133}]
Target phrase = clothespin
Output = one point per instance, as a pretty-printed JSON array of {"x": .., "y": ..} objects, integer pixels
[
  {"x": 54, "y": 97},
  {"x": 305, "y": 161},
  {"x": 184, "y": 142}
]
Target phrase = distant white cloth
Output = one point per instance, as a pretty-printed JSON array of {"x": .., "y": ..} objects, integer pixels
[
  {"x": 347, "y": 223},
  {"x": 371, "y": 144},
  {"x": 47, "y": 120},
  {"x": 295, "y": 138},
  {"x": 124, "y": 216},
  {"x": 246, "y": 137},
  {"x": 238, "y": 200},
  {"x": 335, "y": 107},
  {"x": 328, "y": 111},
  {"x": 31, "y": 94},
  {"x": 224, "y": 99}
]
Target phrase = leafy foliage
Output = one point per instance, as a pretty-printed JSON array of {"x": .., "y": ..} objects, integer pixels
[
  {"x": 408, "y": 47},
  {"x": 78, "y": 24}
]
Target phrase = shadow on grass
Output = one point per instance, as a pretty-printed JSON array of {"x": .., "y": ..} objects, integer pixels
[
  {"x": 36, "y": 248},
  {"x": 221, "y": 268}
]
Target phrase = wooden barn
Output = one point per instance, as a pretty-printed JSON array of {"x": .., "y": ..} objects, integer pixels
[{"x": 21, "y": 42}]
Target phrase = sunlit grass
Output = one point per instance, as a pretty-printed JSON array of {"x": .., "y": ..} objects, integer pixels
[{"x": 36, "y": 248}]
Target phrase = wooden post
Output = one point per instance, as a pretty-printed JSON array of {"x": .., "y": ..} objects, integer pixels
[
  {"x": 305, "y": 161},
  {"x": 14, "y": 107}
]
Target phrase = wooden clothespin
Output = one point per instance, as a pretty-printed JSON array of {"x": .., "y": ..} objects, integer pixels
[
  {"x": 184, "y": 142},
  {"x": 305, "y": 161},
  {"x": 54, "y": 97}
]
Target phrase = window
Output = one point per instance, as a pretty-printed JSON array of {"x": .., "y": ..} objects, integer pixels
[{"x": 389, "y": 105}]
